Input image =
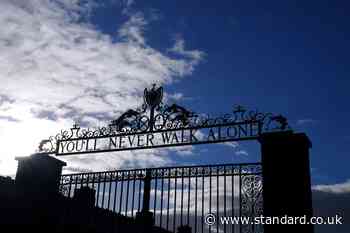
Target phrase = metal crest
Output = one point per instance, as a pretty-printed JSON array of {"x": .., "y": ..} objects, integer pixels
[{"x": 153, "y": 97}]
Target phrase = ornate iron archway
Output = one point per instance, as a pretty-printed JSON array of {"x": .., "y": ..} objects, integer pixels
[{"x": 156, "y": 125}]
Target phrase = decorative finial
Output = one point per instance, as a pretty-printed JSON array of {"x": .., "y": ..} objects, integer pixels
[
  {"x": 76, "y": 125},
  {"x": 238, "y": 108}
]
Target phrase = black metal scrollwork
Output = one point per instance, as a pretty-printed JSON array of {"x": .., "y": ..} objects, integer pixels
[{"x": 251, "y": 199}]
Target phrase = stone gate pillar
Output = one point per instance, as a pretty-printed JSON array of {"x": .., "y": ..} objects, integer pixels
[
  {"x": 286, "y": 179},
  {"x": 37, "y": 183},
  {"x": 39, "y": 174}
]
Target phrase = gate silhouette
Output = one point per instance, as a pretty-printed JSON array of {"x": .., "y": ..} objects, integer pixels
[
  {"x": 177, "y": 196},
  {"x": 171, "y": 199}
]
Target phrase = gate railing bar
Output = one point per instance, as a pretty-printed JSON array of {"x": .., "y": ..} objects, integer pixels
[
  {"x": 127, "y": 194},
  {"x": 115, "y": 193},
  {"x": 155, "y": 195},
  {"x": 195, "y": 202},
  {"x": 240, "y": 196},
  {"x": 188, "y": 199},
  {"x": 161, "y": 201},
  {"x": 210, "y": 176},
  {"x": 182, "y": 196},
  {"x": 168, "y": 206},
  {"x": 232, "y": 199},
  {"x": 225, "y": 198},
  {"x": 139, "y": 201},
  {"x": 175, "y": 191},
  {"x": 202, "y": 220},
  {"x": 178, "y": 167},
  {"x": 121, "y": 193},
  {"x": 133, "y": 194}
]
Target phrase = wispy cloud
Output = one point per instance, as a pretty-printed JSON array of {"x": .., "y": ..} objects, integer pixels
[
  {"x": 306, "y": 121},
  {"x": 236, "y": 147},
  {"x": 332, "y": 200},
  {"x": 179, "y": 48},
  {"x": 56, "y": 69},
  {"x": 334, "y": 188},
  {"x": 231, "y": 144},
  {"x": 241, "y": 152},
  {"x": 132, "y": 30},
  {"x": 175, "y": 97}
]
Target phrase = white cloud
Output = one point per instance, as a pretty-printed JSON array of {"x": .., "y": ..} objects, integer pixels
[
  {"x": 334, "y": 188},
  {"x": 179, "y": 48},
  {"x": 55, "y": 70},
  {"x": 134, "y": 28},
  {"x": 241, "y": 152},
  {"x": 183, "y": 150},
  {"x": 231, "y": 144},
  {"x": 236, "y": 147},
  {"x": 115, "y": 160},
  {"x": 306, "y": 121},
  {"x": 175, "y": 97},
  {"x": 329, "y": 201}
]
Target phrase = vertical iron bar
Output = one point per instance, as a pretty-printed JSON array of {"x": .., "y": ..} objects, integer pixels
[
  {"x": 133, "y": 194},
  {"x": 117, "y": 220},
  {"x": 202, "y": 222},
  {"x": 225, "y": 196},
  {"x": 127, "y": 193},
  {"x": 240, "y": 196},
  {"x": 82, "y": 181},
  {"x": 195, "y": 200},
  {"x": 233, "y": 195},
  {"x": 161, "y": 199},
  {"x": 75, "y": 184},
  {"x": 217, "y": 196},
  {"x": 182, "y": 195},
  {"x": 188, "y": 200},
  {"x": 110, "y": 190},
  {"x": 167, "y": 211},
  {"x": 70, "y": 186},
  {"x": 174, "y": 220},
  {"x": 88, "y": 179},
  {"x": 98, "y": 188},
  {"x": 93, "y": 181},
  {"x": 147, "y": 191},
  {"x": 155, "y": 193},
  {"x": 104, "y": 190},
  {"x": 252, "y": 204},
  {"x": 121, "y": 192},
  {"x": 210, "y": 174},
  {"x": 151, "y": 119},
  {"x": 139, "y": 201},
  {"x": 115, "y": 191}
]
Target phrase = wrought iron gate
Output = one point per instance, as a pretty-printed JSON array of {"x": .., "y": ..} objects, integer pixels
[{"x": 177, "y": 196}]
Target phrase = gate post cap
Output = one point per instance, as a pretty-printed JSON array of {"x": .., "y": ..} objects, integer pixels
[
  {"x": 273, "y": 137},
  {"x": 42, "y": 157}
]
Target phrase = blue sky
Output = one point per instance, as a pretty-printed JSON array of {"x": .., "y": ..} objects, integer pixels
[
  {"x": 88, "y": 61},
  {"x": 286, "y": 57}
]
